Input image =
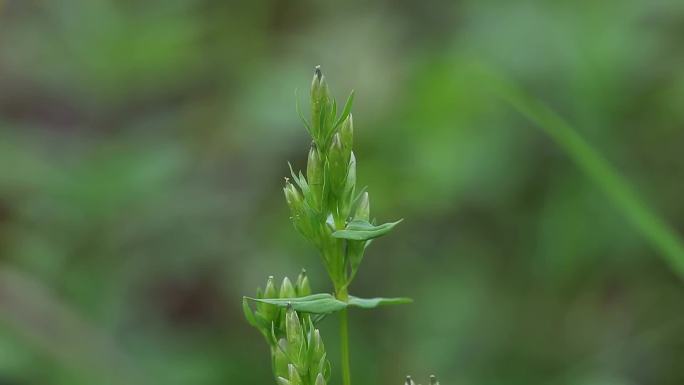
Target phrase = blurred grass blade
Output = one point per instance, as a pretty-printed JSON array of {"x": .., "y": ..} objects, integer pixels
[{"x": 651, "y": 226}]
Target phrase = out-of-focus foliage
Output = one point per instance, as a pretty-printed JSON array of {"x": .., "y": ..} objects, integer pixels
[{"x": 142, "y": 150}]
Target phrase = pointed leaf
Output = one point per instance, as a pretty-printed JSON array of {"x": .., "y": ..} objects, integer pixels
[
  {"x": 347, "y": 109},
  {"x": 249, "y": 315},
  {"x": 370, "y": 303},
  {"x": 325, "y": 303},
  {"x": 359, "y": 230},
  {"x": 301, "y": 115},
  {"x": 316, "y": 303}
]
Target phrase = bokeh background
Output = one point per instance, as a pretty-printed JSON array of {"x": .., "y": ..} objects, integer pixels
[{"x": 143, "y": 147}]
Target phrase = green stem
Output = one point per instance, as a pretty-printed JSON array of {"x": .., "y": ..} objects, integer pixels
[{"x": 344, "y": 347}]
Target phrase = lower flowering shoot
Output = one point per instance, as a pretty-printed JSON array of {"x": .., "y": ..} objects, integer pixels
[
  {"x": 297, "y": 352},
  {"x": 433, "y": 381}
]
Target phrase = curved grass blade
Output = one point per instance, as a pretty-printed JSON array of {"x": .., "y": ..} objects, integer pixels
[{"x": 661, "y": 236}]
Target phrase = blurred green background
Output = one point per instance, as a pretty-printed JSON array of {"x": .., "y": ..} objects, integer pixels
[{"x": 143, "y": 147}]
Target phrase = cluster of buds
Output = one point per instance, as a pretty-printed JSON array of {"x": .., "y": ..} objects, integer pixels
[
  {"x": 297, "y": 350},
  {"x": 433, "y": 381},
  {"x": 300, "y": 357},
  {"x": 325, "y": 200}
]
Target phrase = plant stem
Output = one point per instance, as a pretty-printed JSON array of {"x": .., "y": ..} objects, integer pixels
[
  {"x": 342, "y": 295},
  {"x": 344, "y": 347}
]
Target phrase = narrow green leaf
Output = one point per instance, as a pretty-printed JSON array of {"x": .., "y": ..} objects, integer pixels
[
  {"x": 370, "y": 303},
  {"x": 325, "y": 303},
  {"x": 315, "y": 303},
  {"x": 301, "y": 115},
  {"x": 249, "y": 315},
  {"x": 347, "y": 109},
  {"x": 359, "y": 230}
]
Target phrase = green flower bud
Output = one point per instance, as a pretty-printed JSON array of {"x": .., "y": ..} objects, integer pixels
[
  {"x": 320, "y": 99},
  {"x": 282, "y": 381},
  {"x": 294, "y": 199},
  {"x": 337, "y": 164},
  {"x": 270, "y": 291},
  {"x": 303, "y": 288},
  {"x": 270, "y": 312},
  {"x": 433, "y": 380},
  {"x": 317, "y": 348},
  {"x": 347, "y": 135},
  {"x": 293, "y": 375},
  {"x": 350, "y": 183},
  {"x": 286, "y": 289},
  {"x": 280, "y": 360},
  {"x": 363, "y": 208},
  {"x": 320, "y": 380},
  {"x": 294, "y": 332},
  {"x": 314, "y": 175},
  {"x": 409, "y": 381}
]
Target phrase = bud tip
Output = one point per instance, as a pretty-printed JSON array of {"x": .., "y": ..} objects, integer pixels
[{"x": 317, "y": 71}]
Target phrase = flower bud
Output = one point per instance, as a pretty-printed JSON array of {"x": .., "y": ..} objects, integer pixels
[
  {"x": 337, "y": 164},
  {"x": 314, "y": 174},
  {"x": 433, "y": 380},
  {"x": 317, "y": 348},
  {"x": 363, "y": 208},
  {"x": 303, "y": 287},
  {"x": 286, "y": 289},
  {"x": 270, "y": 291},
  {"x": 280, "y": 360},
  {"x": 282, "y": 381},
  {"x": 320, "y": 380},
  {"x": 409, "y": 381},
  {"x": 293, "y": 198},
  {"x": 347, "y": 135},
  {"x": 293, "y": 375},
  {"x": 294, "y": 332},
  {"x": 270, "y": 312},
  {"x": 320, "y": 98}
]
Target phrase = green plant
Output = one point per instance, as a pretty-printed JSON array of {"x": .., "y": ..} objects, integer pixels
[
  {"x": 409, "y": 381},
  {"x": 329, "y": 211}
]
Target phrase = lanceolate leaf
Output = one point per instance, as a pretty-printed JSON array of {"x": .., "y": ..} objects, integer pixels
[
  {"x": 301, "y": 115},
  {"x": 359, "y": 230},
  {"x": 315, "y": 303},
  {"x": 326, "y": 303},
  {"x": 370, "y": 303},
  {"x": 248, "y": 313},
  {"x": 347, "y": 109}
]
